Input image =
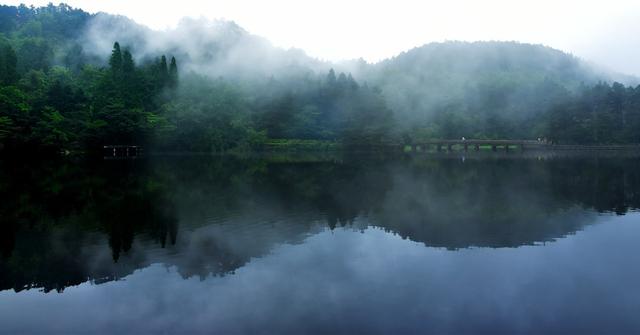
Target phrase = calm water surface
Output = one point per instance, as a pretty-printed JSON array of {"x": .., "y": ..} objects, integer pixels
[{"x": 484, "y": 244}]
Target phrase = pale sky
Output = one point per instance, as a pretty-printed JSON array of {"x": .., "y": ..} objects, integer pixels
[{"x": 604, "y": 32}]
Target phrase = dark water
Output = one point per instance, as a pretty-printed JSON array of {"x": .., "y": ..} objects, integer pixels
[{"x": 332, "y": 245}]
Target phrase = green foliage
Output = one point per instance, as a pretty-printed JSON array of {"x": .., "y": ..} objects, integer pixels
[
  {"x": 34, "y": 53},
  {"x": 603, "y": 114},
  {"x": 334, "y": 108},
  {"x": 16, "y": 113},
  {"x": 52, "y": 95},
  {"x": 6, "y": 127},
  {"x": 115, "y": 61},
  {"x": 51, "y": 129},
  {"x": 8, "y": 63},
  {"x": 207, "y": 115},
  {"x": 56, "y": 107}
]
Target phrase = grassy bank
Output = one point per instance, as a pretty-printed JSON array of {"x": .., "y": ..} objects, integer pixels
[{"x": 296, "y": 145}]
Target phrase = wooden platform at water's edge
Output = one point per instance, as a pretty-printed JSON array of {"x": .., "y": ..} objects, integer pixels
[{"x": 121, "y": 151}]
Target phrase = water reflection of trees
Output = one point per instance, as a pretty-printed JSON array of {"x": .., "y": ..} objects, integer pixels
[{"x": 59, "y": 218}]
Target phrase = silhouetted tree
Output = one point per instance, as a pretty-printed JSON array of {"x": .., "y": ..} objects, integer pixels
[{"x": 173, "y": 73}]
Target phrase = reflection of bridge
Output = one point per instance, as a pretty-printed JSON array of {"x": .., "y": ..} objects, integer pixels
[{"x": 476, "y": 144}]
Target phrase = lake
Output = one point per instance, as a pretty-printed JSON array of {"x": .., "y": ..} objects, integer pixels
[{"x": 442, "y": 243}]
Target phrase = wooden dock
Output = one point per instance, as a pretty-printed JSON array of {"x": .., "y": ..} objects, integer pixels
[{"x": 121, "y": 151}]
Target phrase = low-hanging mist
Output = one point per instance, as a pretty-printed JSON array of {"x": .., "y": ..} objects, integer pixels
[{"x": 236, "y": 91}]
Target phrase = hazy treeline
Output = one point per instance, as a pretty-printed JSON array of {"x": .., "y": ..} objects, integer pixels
[
  {"x": 492, "y": 90},
  {"x": 205, "y": 86},
  {"x": 600, "y": 114},
  {"x": 79, "y": 103}
]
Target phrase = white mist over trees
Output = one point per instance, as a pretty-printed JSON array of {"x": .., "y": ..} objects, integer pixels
[{"x": 211, "y": 86}]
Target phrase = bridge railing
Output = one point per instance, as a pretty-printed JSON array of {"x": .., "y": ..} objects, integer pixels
[{"x": 480, "y": 142}]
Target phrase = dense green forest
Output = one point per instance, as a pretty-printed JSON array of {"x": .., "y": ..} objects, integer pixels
[
  {"x": 61, "y": 89},
  {"x": 79, "y": 104}
]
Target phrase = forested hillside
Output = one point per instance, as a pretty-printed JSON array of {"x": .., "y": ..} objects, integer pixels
[
  {"x": 57, "y": 93},
  {"x": 482, "y": 89},
  {"x": 75, "y": 81}
]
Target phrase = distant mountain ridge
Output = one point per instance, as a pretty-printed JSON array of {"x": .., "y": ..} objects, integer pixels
[
  {"x": 225, "y": 42},
  {"x": 451, "y": 89},
  {"x": 425, "y": 80},
  {"x": 418, "y": 84}
]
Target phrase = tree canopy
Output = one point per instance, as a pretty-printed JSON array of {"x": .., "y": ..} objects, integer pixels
[{"x": 54, "y": 95}]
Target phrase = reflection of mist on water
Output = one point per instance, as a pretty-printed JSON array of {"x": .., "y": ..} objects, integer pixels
[
  {"x": 211, "y": 216},
  {"x": 344, "y": 280}
]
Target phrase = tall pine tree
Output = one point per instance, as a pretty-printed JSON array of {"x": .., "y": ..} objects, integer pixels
[
  {"x": 163, "y": 70},
  {"x": 128, "y": 65},
  {"x": 173, "y": 73},
  {"x": 115, "y": 62}
]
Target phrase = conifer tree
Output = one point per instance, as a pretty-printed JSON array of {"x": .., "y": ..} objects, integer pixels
[
  {"x": 128, "y": 65},
  {"x": 331, "y": 77},
  {"x": 115, "y": 62},
  {"x": 173, "y": 73},
  {"x": 163, "y": 70}
]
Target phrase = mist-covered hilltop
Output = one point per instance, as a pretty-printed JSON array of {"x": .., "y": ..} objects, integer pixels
[
  {"x": 484, "y": 89},
  {"x": 421, "y": 82},
  {"x": 66, "y": 83},
  {"x": 214, "y": 48}
]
